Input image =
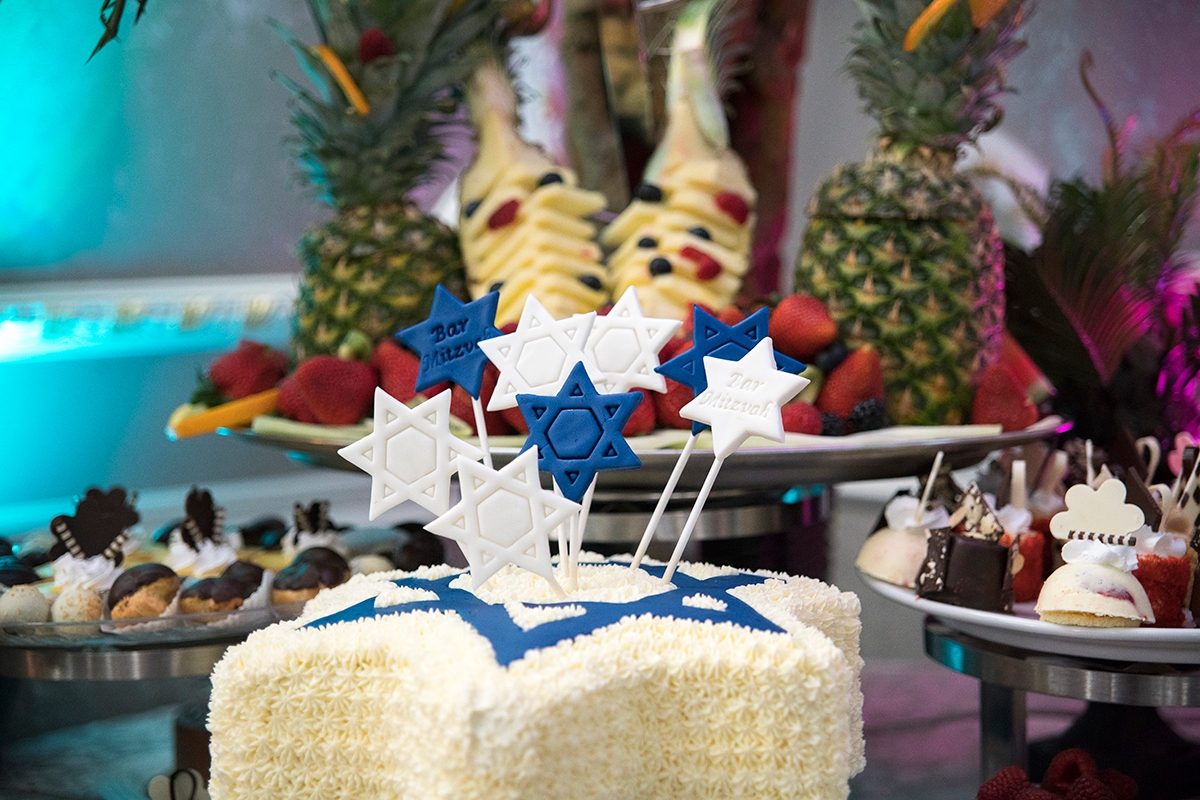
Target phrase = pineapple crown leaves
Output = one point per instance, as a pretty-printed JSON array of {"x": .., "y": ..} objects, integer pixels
[
  {"x": 947, "y": 90},
  {"x": 375, "y": 158}
]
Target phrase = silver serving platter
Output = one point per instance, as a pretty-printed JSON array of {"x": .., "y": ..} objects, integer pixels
[{"x": 827, "y": 460}]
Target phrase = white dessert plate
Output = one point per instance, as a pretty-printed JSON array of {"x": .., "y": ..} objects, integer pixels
[
  {"x": 1022, "y": 630},
  {"x": 802, "y": 460}
]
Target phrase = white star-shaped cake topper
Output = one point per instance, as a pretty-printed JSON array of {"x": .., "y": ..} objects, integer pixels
[
  {"x": 537, "y": 357},
  {"x": 743, "y": 398},
  {"x": 410, "y": 454},
  {"x": 624, "y": 346},
  {"x": 505, "y": 517}
]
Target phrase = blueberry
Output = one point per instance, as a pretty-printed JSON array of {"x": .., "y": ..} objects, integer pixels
[
  {"x": 495, "y": 287},
  {"x": 470, "y": 208},
  {"x": 549, "y": 178},
  {"x": 660, "y": 266},
  {"x": 828, "y": 359},
  {"x": 648, "y": 192},
  {"x": 590, "y": 281},
  {"x": 700, "y": 232},
  {"x": 647, "y": 242}
]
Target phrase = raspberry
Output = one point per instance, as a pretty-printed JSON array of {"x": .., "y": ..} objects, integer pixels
[
  {"x": 1004, "y": 785},
  {"x": 1089, "y": 788},
  {"x": 504, "y": 215},
  {"x": 868, "y": 415},
  {"x": 1066, "y": 767},
  {"x": 1121, "y": 785},
  {"x": 1032, "y": 792}
]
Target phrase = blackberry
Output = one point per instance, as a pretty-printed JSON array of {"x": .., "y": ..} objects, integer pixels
[
  {"x": 831, "y": 424},
  {"x": 647, "y": 242},
  {"x": 660, "y": 266},
  {"x": 868, "y": 415},
  {"x": 470, "y": 208},
  {"x": 830, "y": 358},
  {"x": 700, "y": 232},
  {"x": 590, "y": 281},
  {"x": 648, "y": 192},
  {"x": 549, "y": 178}
]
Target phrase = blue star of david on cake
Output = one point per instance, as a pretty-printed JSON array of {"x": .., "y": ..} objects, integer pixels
[
  {"x": 711, "y": 337},
  {"x": 448, "y": 341},
  {"x": 511, "y": 642},
  {"x": 410, "y": 453},
  {"x": 577, "y": 432},
  {"x": 504, "y": 517}
]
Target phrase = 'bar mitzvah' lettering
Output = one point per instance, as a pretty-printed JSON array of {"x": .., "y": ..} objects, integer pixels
[
  {"x": 444, "y": 354},
  {"x": 723, "y": 400}
]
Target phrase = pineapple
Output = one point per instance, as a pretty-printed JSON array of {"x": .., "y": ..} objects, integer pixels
[
  {"x": 384, "y": 78},
  {"x": 686, "y": 238},
  {"x": 523, "y": 222},
  {"x": 904, "y": 252}
]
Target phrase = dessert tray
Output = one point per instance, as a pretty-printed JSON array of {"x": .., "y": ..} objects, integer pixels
[
  {"x": 179, "y": 629},
  {"x": 1024, "y": 630},
  {"x": 888, "y": 453}
]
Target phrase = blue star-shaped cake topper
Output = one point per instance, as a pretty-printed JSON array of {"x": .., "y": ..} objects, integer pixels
[
  {"x": 511, "y": 642},
  {"x": 578, "y": 431},
  {"x": 711, "y": 337},
  {"x": 448, "y": 341}
]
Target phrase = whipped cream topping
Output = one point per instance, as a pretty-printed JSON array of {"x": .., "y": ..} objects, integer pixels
[
  {"x": 1077, "y": 551},
  {"x": 294, "y": 541},
  {"x": 96, "y": 573},
  {"x": 1165, "y": 545},
  {"x": 901, "y": 510},
  {"x": 211, "y": 559}
]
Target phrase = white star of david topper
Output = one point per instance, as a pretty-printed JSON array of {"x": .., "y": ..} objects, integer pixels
[
  {"x": 624, "y": 346},
  {"x": 537, "y": 357},
  {"x": 743, "y": 398},
  {"x": 410, "y": 454},
  {"x": 504, "y": 517}
]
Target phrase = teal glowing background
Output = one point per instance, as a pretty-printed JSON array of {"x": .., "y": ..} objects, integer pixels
[{"x": 62, "y": 130}]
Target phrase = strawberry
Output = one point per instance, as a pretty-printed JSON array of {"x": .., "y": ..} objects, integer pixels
[
  {"x": 689, "y": 322},
  {"x": 800, "y": 417},
  {"x": 1000, "y": 399},
  {"x": 497, "y": 425},
  {"x": 292, "y": 404},
  {"x": 337, "y": 392},
  {"x": 731, "y": 315},
  {"x": 642, "y": 420},
  {"x": 667, "y": 405},
  {"x": 1066, "y": 768},
  {"x": 1121, "y": 785},
  {"x": 515, "y": 420},
  {"x": 1037, "y": 386},
  {"x": 1089, "y": 788},
  {"x": 859, "y": 377},
  {"x": 398, "y": 368},
  {"x": 250, "y": 369},
  {"x": 801, "y": 327},
  {"x": 1004, "y": 785}
]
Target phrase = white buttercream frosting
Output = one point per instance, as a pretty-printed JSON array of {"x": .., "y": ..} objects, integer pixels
[
  {"x": 415, "y": 705},
  {"x": 96, "y": 573},
  {"x": 208, "y": 561}
]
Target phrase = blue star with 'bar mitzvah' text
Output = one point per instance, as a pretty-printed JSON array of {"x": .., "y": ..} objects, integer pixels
[
  {"x": 448, "y": 342},
  {"x": 578, "y": 431},
  {"x": 711, "y": 337}
]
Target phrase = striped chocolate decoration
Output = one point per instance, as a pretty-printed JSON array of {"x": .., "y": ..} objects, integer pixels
[{"x": 1127, "y": 540}]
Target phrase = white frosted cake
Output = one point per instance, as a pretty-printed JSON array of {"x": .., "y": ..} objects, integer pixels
[{"x": 410, "y": 685}]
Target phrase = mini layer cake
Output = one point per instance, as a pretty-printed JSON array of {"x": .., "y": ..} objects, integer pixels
[
  {"x": 965, "y": 565},
  {"x": 409, "y": 685}
]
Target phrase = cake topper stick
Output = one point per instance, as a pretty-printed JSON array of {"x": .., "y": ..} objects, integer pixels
[
  {"x": 919, "y": 511},
  {"x": 577, "y": 532},
  {"x": 1016, "y": 492},
  {"x": 1087, "y": 457},
  {"x": 710, "y": 337},
  {"x": 743, "y": 399},
  {"x": 563, "y": 533},
  {"x": 448, "y": 345}
]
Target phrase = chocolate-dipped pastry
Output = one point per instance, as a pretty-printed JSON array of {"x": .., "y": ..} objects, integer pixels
[
  {"x": 266, "y": 533},
  {"x": 142, "y": 591},
  {"x": 204, "y": 520},
  {"x": 417, "y": 548},
  {"x": 326, "y": 558},
  {"x": 244, "y": 572},
  {"x": 301, "y": 580},
  {"x": 162, "y": 534},
  {"x": 213, "y": 594},
  {"x": 99, "y": 526},
  {"x": 963, "y": 571},
  {"x": 34, "y": 558},
  {"x": 15, "y": 573}
]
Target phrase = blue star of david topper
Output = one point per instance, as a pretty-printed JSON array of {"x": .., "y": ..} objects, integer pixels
[
  {"x": 578, "y": 431},
  {"x": 448, "y": 341},
  {"x": 711, "y": 337}
]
